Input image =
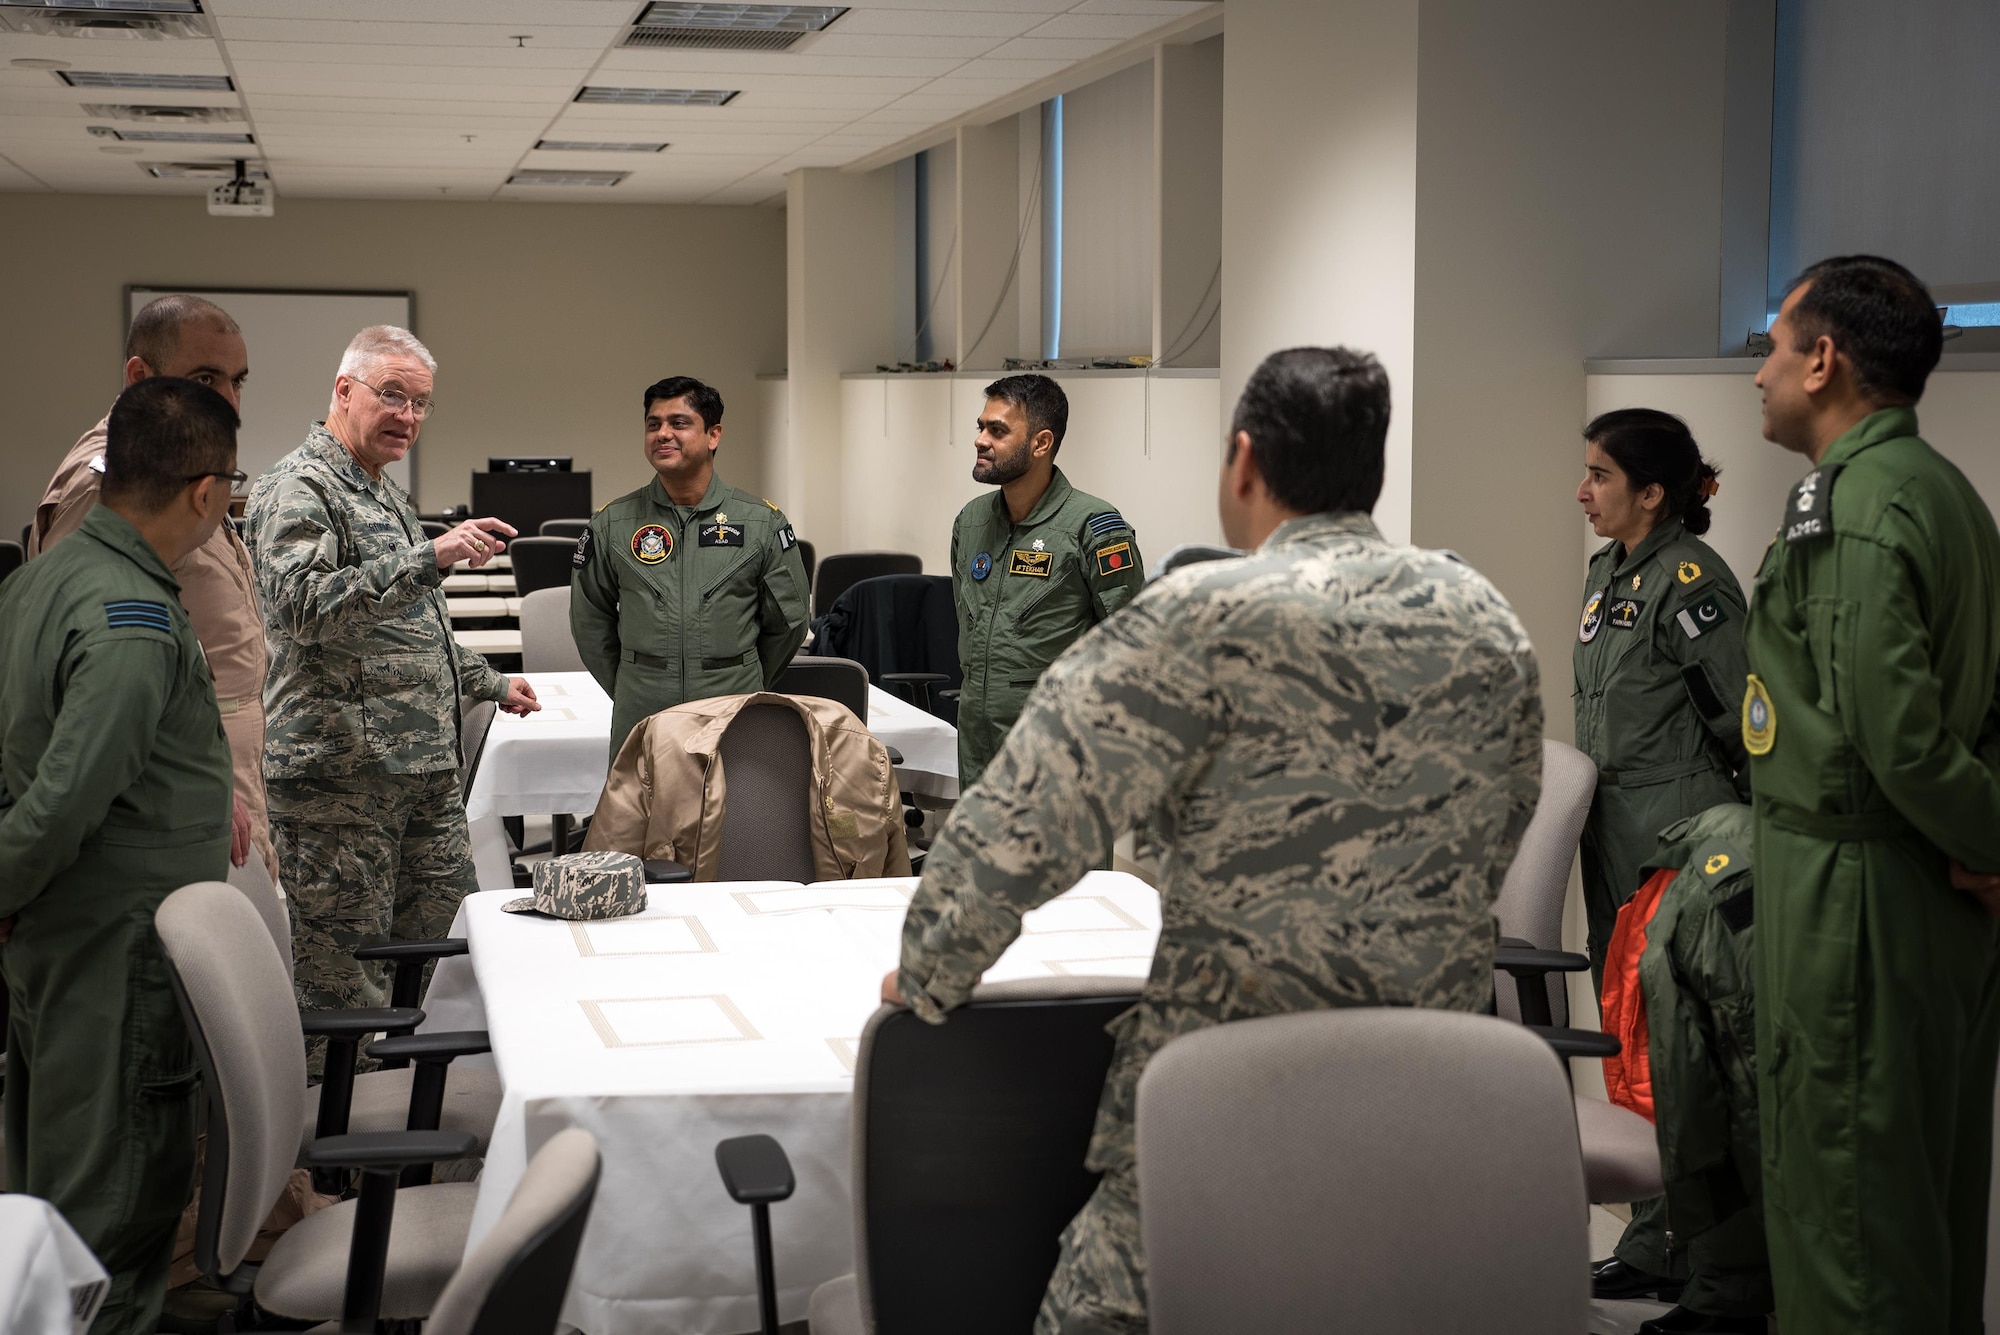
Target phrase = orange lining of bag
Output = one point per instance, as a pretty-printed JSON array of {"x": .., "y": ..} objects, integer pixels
[{"x": 1628, "y": 1076}]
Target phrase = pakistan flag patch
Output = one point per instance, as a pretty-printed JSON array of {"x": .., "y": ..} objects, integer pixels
[{"x": 1701, "y": 618}]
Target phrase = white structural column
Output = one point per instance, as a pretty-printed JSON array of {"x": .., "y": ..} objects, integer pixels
[
  {"x": 1319, "y": 195},
  {"x": 840, "y": 290},
  {"x": 989, "y": 230},
  {"x": 1187, "y": 148}
]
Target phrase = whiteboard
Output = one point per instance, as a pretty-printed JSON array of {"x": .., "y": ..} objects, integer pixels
[{"x": 295, "y": 341}]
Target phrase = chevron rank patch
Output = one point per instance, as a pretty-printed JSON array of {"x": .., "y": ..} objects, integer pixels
[
  {"x": 1104, "y": 525},
  {"x": 138, "y": 613}
]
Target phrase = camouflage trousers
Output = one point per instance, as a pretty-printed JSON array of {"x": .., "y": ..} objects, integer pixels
[
  {"x": 365, "y": 860},
  {"x": 1099, "y": 1285}
]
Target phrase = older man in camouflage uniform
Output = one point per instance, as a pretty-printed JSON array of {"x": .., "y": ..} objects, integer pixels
[
  {"x": 361, "y": 752},
  {"x": 1335, "y": 742}
]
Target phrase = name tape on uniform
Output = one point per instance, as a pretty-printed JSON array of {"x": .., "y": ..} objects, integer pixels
[
  {"x": 1624, "y": 613},
  {"x": 719, "y": 535},
  {"x": 1038, "y": 564}
]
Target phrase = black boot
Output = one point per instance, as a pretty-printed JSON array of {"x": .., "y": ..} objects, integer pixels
[
  {"x": 1613, "y": 1280},
  {"x": 1683, "y": 1319}
]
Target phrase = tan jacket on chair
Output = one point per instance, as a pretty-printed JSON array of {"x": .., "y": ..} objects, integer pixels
[{"x": 665, "y": 794}]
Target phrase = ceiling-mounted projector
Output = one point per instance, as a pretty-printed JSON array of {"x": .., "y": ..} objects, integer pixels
[{"x": 242, "y": 197}]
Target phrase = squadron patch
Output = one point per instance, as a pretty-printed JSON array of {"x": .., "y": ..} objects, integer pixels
[
  {"x": 1625, "y": 613},
  {"x": 982, "y": 565},
  {"x": 1112, "y": 559},
  {"x": 1037, "y": 564},
  {"x": 719, "y": 534},
  {"x": 652, "y": 544},
  {"x": 1593, "y": 618},
  {"x": 1760, "y": 718},
  {"x": 581, "y": 556},
  {"x": 1703, "y": 617}
]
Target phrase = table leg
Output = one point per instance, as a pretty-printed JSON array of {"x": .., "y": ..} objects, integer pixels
[{"x": 558, "y": 835}]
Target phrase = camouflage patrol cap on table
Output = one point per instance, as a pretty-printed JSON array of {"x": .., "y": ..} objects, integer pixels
[{"x": 586, "y": 885}]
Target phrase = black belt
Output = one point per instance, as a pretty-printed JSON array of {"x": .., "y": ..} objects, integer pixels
[
  {"x": 655, "y": 661},
  {"x": 1845, "y": 827},
  {"x": 1645, "y": 774}
]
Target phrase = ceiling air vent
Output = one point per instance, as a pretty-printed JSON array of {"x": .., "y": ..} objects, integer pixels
[
  {"x": 111, "y": 111},
  {"x": 660, "y": 97},
  {"x": 594, "y": 146},
  {"x": 566, "y": 178},
  {"x": 702, "y": 23},
  {"x": 200, "y": 171},
  {"x": 118, "y": 20},
  {"x": 180, "y": 137},
  {"x": 186, "y": 83}
]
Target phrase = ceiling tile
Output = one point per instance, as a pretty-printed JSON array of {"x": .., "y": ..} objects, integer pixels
[
  {"x": 1160, "y": 11},
  {"x": 878, "y": 21},
  {"x": 236, "y": 31},
  {"x": 1052, "y": 48},
  {"x": 591, "y": 13},
  {"x": 1115, "y": 27}
]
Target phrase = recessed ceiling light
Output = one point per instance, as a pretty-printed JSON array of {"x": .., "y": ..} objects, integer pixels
[
  {"x": 191, "y": 83},
  {"x": 594, "y": 146},
  {"x": 161, "y": 115},
  {"x": 111, "y": 6},
  {"x": 199, "y": 171},
  {"x": 566, "y": 178},
  {"x": 122, "y": 149},
  {"x": 697, "y": 23},
  {"x": 182, "y": 137},
  {"x": 37, "y": 63},
  {"x": 660, "y": 97}
]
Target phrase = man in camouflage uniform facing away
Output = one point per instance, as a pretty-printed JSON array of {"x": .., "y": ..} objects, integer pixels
[
  {"x": 361, "y": 752},
  {"x": 1335, "y": 742}
]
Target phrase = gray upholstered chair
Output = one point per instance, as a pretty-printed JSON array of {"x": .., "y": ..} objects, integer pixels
[
  {"x": 1383, "y": 1170},
  {"x": 540, "y": 563},
  {"x": 514, "y": 1281},
  {"x": 843, "y": 570},
  {"x": 547, "y": 644},
  {"x": 475, "y": 720},
  {"x": 1530, "y": 906},
  {"x": 968, "y": 1146},
  {"x": 766, "y": 759},
  {"x": 387, "y": 1253},
  {"x": 838, "y": 679},
  {"x": 569, "y": 529}
]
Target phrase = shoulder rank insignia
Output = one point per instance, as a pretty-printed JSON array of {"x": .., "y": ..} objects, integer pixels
[
  {"x": 138, "y": 614},
  {"x": 581, "y": 556},
  {"x": 1701, "y": 618},
  {"x": 1688, "y": 573},
  {"x": 1037, "y": 564},
  {"x": 652, "y": 544},
  {"x": 1809, "y": 509},
  {"x": 1104, "y": 525},
  {"x": 1715, "y": 864}
]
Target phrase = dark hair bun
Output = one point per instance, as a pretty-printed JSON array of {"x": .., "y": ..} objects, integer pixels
[{"x": 1651, "y": 446}]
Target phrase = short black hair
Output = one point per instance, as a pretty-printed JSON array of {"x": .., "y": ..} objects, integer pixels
[
  {"x": 164, "y": 433},
  {"x": 1879, "y": 315},
  {"x": 1040, "y": 399},
  {"x": 705, "y": 401},
  {"x": 1651, "y": 446},
  {"x": 155, "y": 334},
  {"x": 1317, "y": 419}
]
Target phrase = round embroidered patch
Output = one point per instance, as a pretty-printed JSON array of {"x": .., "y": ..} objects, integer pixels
[
  {"x": 982, "y": 565},
  {"x": 652, "y": 544},
  {"x": 1593, "y": 618}
]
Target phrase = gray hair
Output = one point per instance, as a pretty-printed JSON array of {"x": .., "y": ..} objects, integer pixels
[{"x": 379, "y": 342}]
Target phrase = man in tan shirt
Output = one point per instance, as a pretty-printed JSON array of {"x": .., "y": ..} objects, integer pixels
[{"x": 194, "y": 340}]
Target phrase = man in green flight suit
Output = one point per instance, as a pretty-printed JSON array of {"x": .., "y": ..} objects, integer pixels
[
  {"x": 1874, "y": 739},
  {"x": 1033, "y": 566},
  {"x": 115, "y": 790},
  {"x": 686, "y": 588}
]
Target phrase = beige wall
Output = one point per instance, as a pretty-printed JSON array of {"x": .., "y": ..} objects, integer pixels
[{"x": 547, "y": 319}]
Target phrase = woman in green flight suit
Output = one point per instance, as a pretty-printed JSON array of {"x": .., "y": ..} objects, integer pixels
[{"x": 1660, "y": 671}]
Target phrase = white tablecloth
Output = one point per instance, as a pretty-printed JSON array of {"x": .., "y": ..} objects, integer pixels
[
  {"x": 554, "y": 761},
  {"x": 50, "y": 1284},
  {"x": 725, "y": 1009}
]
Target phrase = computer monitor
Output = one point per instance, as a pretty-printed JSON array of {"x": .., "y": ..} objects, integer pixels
[
  {"x": 538, "y": 463},
  {"x": 526, "y": 499}
]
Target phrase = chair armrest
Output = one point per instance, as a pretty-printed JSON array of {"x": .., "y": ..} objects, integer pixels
[
  {"x": 951, "y": 694},
  {"x": 389, "y": 1149},
  {"x": 895, "y": 756},
  {"x": 441, "y": 948},
  {"x": 1577, "y": 1042},
  {"x": 356, "y": 1024},
  {"x": 431, "y": 1047},
  {"x": 754, "y": 1169},
  {"x": 665, "y": 871},
  {"x": 1529, "y": 962},
  {"x": 916, "y": 678}
]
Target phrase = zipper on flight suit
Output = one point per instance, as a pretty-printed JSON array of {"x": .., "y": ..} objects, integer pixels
[{"x": 993, "y": 616}]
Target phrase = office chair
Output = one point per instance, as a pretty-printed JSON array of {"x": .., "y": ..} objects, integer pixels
[
  {"x": 547, "y": 645},
  {"x": 540, "y": 563},
  {"x": 433, "y": 528},
  {"x": 838, "y": 679},
  {"x": 1399, "y": 1171},
  {"x": 808, "y": 554},
  {"x": 13, "y": 556},
  {"x": 1530, "y": 905},
  {"x": 968, "y": 1145},
  {"x": 766, "y": 758},
  {"x": 904, "y": 630},
  {"x": 843, "y": 570},
  {"x": 569, "y": 530}
]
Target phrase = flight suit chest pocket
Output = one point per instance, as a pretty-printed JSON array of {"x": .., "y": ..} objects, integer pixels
[
  {"x": 1053, "y": 601},
  {"x": 1829, "y": 624},
  {"x": 728, "y": 610},
  {"x": 403, "y": 697}
]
